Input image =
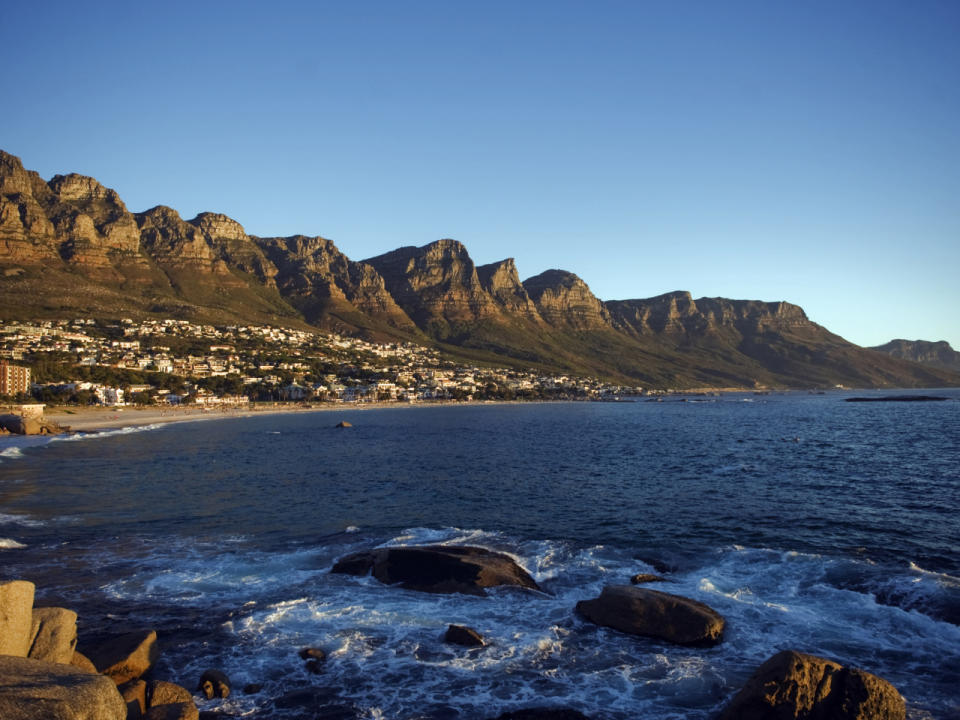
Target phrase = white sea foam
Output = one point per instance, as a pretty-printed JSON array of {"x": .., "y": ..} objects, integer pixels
[
  {"x": 10, "y": 544},
  {"x": 11, "y": 453},
  {"x": 129, "y": 430},
  {"x": 22, "y": 520},
  {"x": 386, "y": 654}
]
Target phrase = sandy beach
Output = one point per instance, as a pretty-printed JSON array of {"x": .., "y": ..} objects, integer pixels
[
  {"x": 87, "y": 419},
  {"x": 99, "y": 418}
]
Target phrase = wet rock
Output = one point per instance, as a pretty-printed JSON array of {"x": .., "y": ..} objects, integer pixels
[
  {"x": 54, "y": 635},
  {"x": 313, "y": 666},
  {"x": 125, "y": 657},
  {"x": 460, "y": 635},
  {"x": 806, "y": 687},
  {"x": 651, "y": 613},
  {"x": 438, "y": 568},
  {"x": 160, "y": 692},
  {"x": 214, "y": 683},
  {"x": 38, "y": 690},
  {"x": 173, "y": 711},
  {"x": 82, "y": 662},
  {"x": 543, "y": 714},
  {"x": 16, "y": 617},
  {"x": 643, "y": 578},
  {"x": 134, "y": 694},
  {"x": 310, "y": 653},
  {"x": 343, "y": 424},
  {"x": 252, "y": 688}
]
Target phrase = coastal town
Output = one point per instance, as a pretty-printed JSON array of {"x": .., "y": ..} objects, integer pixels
[{"x": 176, "y": 362}]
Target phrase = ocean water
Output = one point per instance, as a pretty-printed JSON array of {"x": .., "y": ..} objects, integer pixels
[{"x": 808, "y": 522}]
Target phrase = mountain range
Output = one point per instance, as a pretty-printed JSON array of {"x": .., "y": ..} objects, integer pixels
[{"x": 70, "y": 248}]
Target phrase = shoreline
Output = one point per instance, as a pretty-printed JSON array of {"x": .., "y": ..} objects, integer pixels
[{"x": 94, "y": 419}]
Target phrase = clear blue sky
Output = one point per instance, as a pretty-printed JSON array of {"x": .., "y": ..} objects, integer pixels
[{"x": 800, "y": 151}]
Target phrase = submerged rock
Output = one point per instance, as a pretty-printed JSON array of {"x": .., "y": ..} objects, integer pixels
[
  {"x": 438, "y": 568},
  {"x": 214, "y": 683},
  {"x": 643, "y": 578},
  {"x": 460, "y": 635},
  {"x": 651, "y": 613},
  {"x": 38, "y": 690},
  {"x": 806, "y": 687}
]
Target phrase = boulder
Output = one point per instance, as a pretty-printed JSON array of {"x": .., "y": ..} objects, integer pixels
[
  {"x": 438, "y": 568},
  {"x": 125, "y": 657},
  {"x": 795, "y": 686},
  {"x": 54, "y": 635},
  {"x": 460, "y": 635},
  {"x": 16, "y": 617},
  {"x": 161, "y": 692},
  {"x": 173, "y": 711},
  {"x": 134, "y": 694},
  {"x": 312, "y": 653},
  {"x": 343, "y": 424},
  {"x": 656, "y": 614},
  {"x": 643, "y": 578},
  {"x": 82, "y": 662},
  {"x": 214, "y": 683},
  {"x": 38, "y": 690}
]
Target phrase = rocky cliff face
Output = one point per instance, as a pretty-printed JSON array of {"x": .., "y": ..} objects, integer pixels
[
  {"x": 173, "y": 242},
  {"x": 96, "y": 230},
  {"x": 317, "y": 278},
  {"x": 70, "y": 247},
  {"x": 437, "y": 285},
  {"x": 27, "y": 236},
  {"x": 936, "y": 354},
  {"x": 677, "y": 312},
  {"x": 565, "y": 301},
  {"x": 231, "y": 244},
  {"x": 502, "y": 282}
]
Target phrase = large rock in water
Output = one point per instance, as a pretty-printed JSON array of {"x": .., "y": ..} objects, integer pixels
[
  {"x": 651, "y": 613},
  {"x": 54, "y": 635},
  {"x": 16, "y": 617},
  {"x": 125, "y": 657},
  {"x": 796, "y": 686},
  {"x": 37, "y": 690},
  {"x": 438, "y": 568}
]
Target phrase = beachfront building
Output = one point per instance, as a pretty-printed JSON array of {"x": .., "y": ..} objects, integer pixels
[{"x": 14, "y": 379}]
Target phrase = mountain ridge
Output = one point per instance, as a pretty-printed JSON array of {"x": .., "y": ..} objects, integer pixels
[{"x": 71, "y": 247}]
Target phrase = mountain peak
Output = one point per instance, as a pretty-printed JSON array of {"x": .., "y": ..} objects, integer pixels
[
  {"x": 219, "y": 226},
  {"x": 564, "y": 300}
]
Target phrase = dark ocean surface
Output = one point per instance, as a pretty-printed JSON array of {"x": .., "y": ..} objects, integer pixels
[{"x": 809, "y": 522}]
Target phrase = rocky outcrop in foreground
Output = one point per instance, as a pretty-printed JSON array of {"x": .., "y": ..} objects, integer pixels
[
  {"x": 438, "y": 568},
  {"x": 795, "y": 686},
  {"x": 656, "y": 614},
  {"x": 43, "y": 677},
  {"x": 38, "y": 690}
]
